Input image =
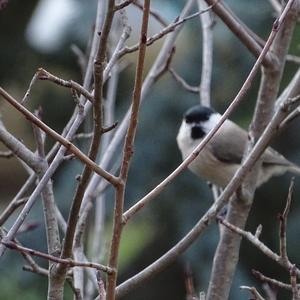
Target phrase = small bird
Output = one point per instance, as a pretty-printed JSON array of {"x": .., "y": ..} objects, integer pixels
[{"x": 222, "y": 156}]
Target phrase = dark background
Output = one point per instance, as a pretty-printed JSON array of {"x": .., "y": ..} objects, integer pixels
[{"x": 177, "y": 209}]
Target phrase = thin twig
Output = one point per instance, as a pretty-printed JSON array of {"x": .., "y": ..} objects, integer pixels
[
  {"x": 6, "y": 154},
  {"x": 32, "y": 82},
  {"x": 123, "y": 4},
  {"x": 67, "y": 262},
  {"x": 293, "y": 58},
  {"x": 271, "y": 281},
  {"x": 182, "y": 82},
  {"x": 81, "y": 58},
  {"x": 253, "y": 291},
  {"x": 42, "y": 74},
  {"x": 154, "y": 13},
  {"x": 283, "y": 223},
  {"x": 207, "y": 53},
  {"x": 260, "y": 245},
  {"x": 170, "y": 28},
  {"x": 127, "y": 154}
]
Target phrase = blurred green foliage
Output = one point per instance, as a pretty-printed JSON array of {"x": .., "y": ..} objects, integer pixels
[{"x": 178, "y": 208}]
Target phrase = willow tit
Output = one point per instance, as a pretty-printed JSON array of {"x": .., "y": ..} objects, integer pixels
[{"x": 221, "y": 157}]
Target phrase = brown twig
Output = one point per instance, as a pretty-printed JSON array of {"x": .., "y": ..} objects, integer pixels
[
  {"x": 189, "y": 284},
  {"x": 67, "y": 262},
  {"x": 283, "y": 223},
  {"x": 155, "y": 14},
  {"x": 127, "y": 154}
]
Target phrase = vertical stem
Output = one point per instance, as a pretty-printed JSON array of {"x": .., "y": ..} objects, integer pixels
[
  {"x": 127, "y": 155},
  {"x": 207, "y": 53}
]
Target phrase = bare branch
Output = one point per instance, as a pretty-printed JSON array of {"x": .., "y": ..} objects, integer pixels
[
  {"x": 271, "y": 281},
  {"x": 207, "y": 53},
  {"x": 6, "y": 154},
  {"x": 293, "y": 58},
  {"x": 127, "y": 154},
  {"x": 123, "y": 4},
  {"x": 67, "y": 262},
  {"x": 283, "y": 223},
  {"x": 261, "y": 246},
  {"x": 42, "y": 74},
  {"x": 183, "y": 83},
  {"x": 253, "y": 291},
  {"x": 154, "y": 13},
  {"x": 81, "y": 58},
  {"x": 32, "y": 82}
]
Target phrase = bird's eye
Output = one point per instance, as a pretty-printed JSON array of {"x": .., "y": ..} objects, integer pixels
[{"x": 197, "y": 132}]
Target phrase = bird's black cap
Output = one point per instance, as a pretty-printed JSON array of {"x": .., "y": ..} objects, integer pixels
[{"x": 198, "y": 113}]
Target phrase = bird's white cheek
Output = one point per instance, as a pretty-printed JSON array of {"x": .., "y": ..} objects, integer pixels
[{"x": 185, "y": 143}]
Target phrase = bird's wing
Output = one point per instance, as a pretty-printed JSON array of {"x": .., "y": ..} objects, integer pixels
[{"x": 227, "y": 148}]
